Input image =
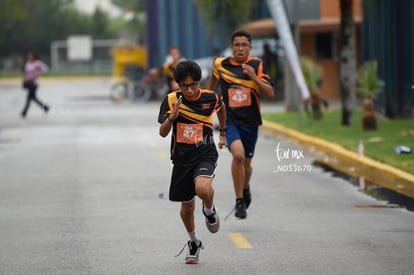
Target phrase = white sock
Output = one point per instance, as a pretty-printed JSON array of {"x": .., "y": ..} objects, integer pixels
[
  {"x": 194, "y": 237},
  {"x": 208, "y": 211}
]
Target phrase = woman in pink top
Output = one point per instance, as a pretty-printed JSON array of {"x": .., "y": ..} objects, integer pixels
[{"x": 32, "y": 70}]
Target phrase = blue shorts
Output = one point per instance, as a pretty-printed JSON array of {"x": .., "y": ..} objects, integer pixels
[{"x": 247, "y": 135}]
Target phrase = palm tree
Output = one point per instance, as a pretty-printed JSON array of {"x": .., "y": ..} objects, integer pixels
[
  {"x": 312, "y": 74},
  {"x": 347, "y": 60},
  {"x": 369, "y": 85}
]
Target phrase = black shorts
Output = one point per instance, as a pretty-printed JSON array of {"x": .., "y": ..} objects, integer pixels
[{"x": 182, "y": 187}]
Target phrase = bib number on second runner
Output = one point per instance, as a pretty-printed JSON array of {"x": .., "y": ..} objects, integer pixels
[{"x": 239, "y": 96}]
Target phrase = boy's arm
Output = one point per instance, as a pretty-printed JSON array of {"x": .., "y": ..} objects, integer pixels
[
  {"x": 214, "y": 77},
  {"x": 212, "y": 81},
  {"x": 263, "y": 86},
  {"x": 166, "y": 125},
  {"x": 221, "y": 115}
]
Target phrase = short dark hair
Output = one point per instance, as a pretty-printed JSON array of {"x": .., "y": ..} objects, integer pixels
[
  {"x": 186, "y": 69},
  {"x": 241, "y": 33},
  {"x": 34, "y": 54}
]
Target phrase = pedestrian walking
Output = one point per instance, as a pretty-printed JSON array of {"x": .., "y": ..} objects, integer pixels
[
  {"x": 241, "y": 79},
  {"x": 189, "y": 113},
  {"x": 33, "y": 68}
]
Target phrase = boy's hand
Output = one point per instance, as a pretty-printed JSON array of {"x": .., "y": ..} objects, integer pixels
[
  {"x": 222, "y": 144},
  {"x": 176, "y": 109}
]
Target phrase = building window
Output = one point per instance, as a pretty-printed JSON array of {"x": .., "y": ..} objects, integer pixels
[{"x": 324, "y": 46}]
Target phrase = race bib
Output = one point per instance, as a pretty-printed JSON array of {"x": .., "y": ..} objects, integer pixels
[
  {"x": 189, "y": 133},
  {"x": 239, "y": 96}
]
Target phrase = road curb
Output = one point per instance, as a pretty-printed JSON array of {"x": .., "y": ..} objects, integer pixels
[{"x": 349, "y": 162}]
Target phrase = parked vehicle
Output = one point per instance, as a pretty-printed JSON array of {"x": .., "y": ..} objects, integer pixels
[{"x": 138, "y": 85}]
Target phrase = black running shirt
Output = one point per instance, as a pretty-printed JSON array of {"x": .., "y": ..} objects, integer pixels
[
  {"x": 240, "y": 93},
  {"x": 192, "y": 138}
]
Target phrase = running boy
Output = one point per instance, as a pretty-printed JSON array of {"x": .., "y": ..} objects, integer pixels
[
  {"x": 189, "y": 113},
  {"x": 241, "y": 78}
]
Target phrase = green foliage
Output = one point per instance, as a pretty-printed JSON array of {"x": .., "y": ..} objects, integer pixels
[
  {"x": 368, "y": 81},
  {"x": 130, "y": 5},
  {"x": 33, "y": 25},
  {"x": 136, "y": 25},
  {"x": 10, "y": 12},
  {"x": 227, "y": 14},
  {"x": 100, "y": 22},
  {"x": 311, "y": 73},
  {"x": 379, "y": 145}
]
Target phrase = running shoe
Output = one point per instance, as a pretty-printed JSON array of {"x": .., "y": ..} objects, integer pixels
[
  {"x": 247, "y": 196},
  {"x": 193, "y": 251},
  {"x": 240, "y": 209},
  {"x": 212, "y": 221}
]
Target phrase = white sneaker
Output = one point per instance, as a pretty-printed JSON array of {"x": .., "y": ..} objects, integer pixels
[
  {"x": 193, "y": 252},
  {"x": 212, "y": 221}
]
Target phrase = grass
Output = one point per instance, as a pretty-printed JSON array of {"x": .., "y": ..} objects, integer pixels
[{"x": 378, "y": 145}]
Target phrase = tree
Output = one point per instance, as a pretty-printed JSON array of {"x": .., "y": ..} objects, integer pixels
[
  {"x": 100, "y": 23},
  {"x": 12, "y": 14},
  {"x": 130, "y": 5},
  {"x": 225, "y": 15},
  {"x": 369, "y": 85},
  {"x": 33, "y": 25},
  {"x": 10, "y": 11},
  {"x": 136, "y": 25},
  {"x": 347, "y": 60},
  {"x": 312, "y": 74}
]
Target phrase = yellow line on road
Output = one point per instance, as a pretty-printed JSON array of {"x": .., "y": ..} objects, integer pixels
[{"x": 239, "y": 240}]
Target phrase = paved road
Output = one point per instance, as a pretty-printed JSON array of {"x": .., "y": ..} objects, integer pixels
[{"x": 79, "y": 194}]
